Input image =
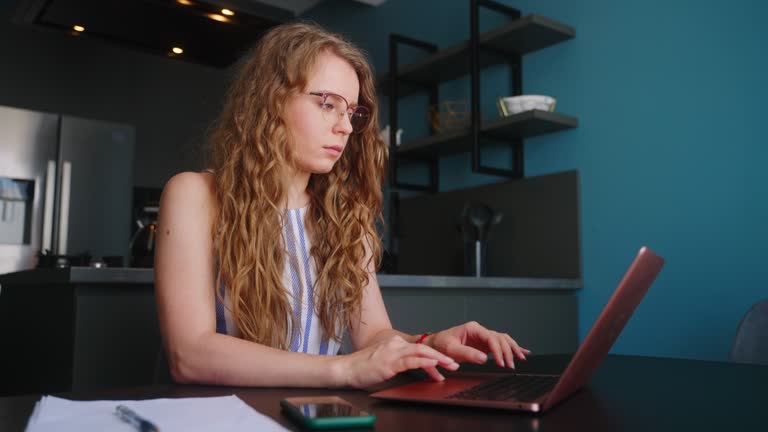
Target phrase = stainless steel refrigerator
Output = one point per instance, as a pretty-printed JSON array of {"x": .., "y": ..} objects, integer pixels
[{"x": 65, "y": 187}]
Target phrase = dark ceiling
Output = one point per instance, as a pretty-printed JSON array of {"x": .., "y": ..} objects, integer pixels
[{"x": 156, "y": 26}]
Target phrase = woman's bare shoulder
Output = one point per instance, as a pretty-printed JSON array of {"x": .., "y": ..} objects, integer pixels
[
  {"x": 195, "y": 186},
  {"x": 190, "y": 192}
]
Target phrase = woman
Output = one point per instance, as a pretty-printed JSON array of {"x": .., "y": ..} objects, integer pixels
[{"x": 284, "y": 225}]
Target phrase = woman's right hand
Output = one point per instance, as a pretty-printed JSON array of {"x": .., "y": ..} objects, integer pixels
[{"x": 386, "y": 359}]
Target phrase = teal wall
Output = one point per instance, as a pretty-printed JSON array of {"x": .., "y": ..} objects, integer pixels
[{"x": 670, "y": 148}]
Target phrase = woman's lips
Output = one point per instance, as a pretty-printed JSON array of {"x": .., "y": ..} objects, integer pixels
[{"x": 336, "y": 150}]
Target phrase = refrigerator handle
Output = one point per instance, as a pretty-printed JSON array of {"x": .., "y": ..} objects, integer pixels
[
  {"x": 66, "y": 181},
  {"x": 50, "y": 191}
]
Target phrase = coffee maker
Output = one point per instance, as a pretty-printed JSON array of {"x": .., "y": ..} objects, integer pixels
[{"x": 142, "y": 245}]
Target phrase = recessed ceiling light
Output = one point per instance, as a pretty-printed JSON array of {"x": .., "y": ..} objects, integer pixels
[
  {"x": 184, "y": 2},
  {"x": 227, "y": 12},
  {"x": 217, "y": 17},
  {"x": 177, "y": 50},
  {"x": 78, "y": 28}
]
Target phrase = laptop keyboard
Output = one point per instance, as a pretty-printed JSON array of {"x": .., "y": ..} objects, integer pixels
[{"x": 525, "y": 388}]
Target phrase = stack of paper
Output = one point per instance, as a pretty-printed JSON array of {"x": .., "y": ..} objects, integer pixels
[{"x": 224, "y": 414}]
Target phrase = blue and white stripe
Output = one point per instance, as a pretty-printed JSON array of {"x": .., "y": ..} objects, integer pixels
[{"x": 299, "y": 275}]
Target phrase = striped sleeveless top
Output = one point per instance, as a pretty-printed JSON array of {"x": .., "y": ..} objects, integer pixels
[{"x": 299, "y": 275}]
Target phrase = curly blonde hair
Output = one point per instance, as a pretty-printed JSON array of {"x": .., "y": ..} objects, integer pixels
[{"x": 250, "y": 155}]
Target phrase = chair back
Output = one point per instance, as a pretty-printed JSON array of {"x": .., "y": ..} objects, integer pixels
[{"x": 751, "y": 342}]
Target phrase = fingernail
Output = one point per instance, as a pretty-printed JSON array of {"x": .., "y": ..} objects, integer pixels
[{"x": 481, "y": 357}]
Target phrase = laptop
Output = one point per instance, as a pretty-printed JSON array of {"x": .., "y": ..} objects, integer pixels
[{"x": 534, "y": 392}]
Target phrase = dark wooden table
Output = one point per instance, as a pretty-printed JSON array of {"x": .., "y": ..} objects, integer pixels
[{"x": 628, "y": 393}]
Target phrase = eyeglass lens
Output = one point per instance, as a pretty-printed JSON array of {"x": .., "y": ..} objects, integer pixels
[{"x": 334, "y": 107}]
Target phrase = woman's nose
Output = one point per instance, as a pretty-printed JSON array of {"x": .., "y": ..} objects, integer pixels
[{"x": 344, "y": 124}]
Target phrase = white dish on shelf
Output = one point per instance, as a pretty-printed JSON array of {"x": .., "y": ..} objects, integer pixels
[{"x": 518, "y": 104}]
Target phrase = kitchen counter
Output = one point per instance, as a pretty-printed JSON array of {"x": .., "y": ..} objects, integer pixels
[
  {"x": 90, "y": 275},
  {"x": 84, "y": 328}
]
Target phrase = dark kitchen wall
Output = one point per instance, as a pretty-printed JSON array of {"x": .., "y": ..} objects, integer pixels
[{"x": 170, "y": 102}]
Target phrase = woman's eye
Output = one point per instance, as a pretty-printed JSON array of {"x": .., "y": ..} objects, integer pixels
[{"x": 327, "y": 107}]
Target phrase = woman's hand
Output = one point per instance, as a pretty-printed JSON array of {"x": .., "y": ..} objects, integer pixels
[
  {"x": 470, "y": 342},
  {"x": 387, "y": 358}
]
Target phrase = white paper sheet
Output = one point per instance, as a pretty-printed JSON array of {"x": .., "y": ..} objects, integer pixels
[{"x": 224, "y": 414}]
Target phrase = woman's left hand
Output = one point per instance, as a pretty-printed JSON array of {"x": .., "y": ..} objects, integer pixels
[{"x": 470, "y": 342}]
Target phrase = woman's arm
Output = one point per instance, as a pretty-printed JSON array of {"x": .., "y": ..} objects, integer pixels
[
  {"x": 184, "y": 286},
  {"x": 184, "y": 283}
]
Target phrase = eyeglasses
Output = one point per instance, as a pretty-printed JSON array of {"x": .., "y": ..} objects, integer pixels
[{"x": 334, "y": 107}]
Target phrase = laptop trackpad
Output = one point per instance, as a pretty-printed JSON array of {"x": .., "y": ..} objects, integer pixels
[{"x": 429, "y": 389}]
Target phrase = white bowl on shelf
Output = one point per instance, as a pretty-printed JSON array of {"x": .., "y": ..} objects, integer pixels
[{"x": 518, "y": 104}]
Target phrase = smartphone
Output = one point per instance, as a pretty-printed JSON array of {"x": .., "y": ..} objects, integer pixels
[{"x": 326, "y": 412}]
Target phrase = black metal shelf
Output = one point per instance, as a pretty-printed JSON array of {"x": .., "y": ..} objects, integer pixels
[
  {"x": 505, "y": 44},
  {"x": 523, "y": 125},
  {"x": 521, "y": 36}
]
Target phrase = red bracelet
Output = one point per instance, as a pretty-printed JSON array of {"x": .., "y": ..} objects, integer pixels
[{"x": 424, "y": 336}]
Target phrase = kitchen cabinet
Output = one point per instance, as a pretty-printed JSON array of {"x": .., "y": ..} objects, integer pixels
[
  {"x": 540, "y": 313},
  {"x": 543, "y": 322},
  {"x": 74, "y": 329}
]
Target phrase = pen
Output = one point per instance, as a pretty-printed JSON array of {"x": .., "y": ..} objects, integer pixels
[{"x": 128, "y": 416}]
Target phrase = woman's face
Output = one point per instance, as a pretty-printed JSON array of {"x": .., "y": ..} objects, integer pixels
[{"x": 319, "y": 136}]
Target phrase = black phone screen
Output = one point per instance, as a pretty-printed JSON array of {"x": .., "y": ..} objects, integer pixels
[{"x": 319, "y": 410}]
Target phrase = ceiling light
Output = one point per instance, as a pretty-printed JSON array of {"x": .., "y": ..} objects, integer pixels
[
  {"x": 227, "y": 12},
  {"x": 184, "y": 2},
  {"x": 219, "y": 18},
  {"x": 78, "y": 28},
  {"x": 177, "y": 50}
]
